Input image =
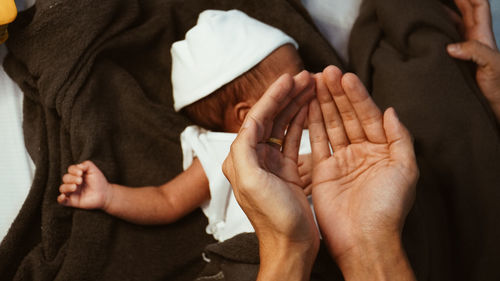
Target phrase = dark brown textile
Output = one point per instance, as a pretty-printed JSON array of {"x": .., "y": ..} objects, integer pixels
[{"x": 96, "y": 78}]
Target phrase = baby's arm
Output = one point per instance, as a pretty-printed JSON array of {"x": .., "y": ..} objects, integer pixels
[{"x": 86, "y": 187}]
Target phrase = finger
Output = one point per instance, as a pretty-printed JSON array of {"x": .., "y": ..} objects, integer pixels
[
  {"x": 71, "y": 179},
  {"x": 243, "y": 152},
  {"x": 293, "y": 136},
  {"x": 306, "y": 179},
  {"x": 75, "y": 170},
  {"x": 68, "y": 188},
  {"x": 227, "y": 168},
  {"x": 308, "y": 190},
  {"x": 456, "y": 19},
  {"x": 302, "y": 93},
  {"x": 473, "y": 50},
  {"x": 400, "y": 142},
  {"x": 365, "y": 108},
  {"x": 352, "y": 125},
  {"x": 333, "y": 122},
  {"x": 467, "y": 12},
  {"x": 269, "y": 105},
  {"x": 63, "y": 200},
  {"x": 477, "y": 21},
  {"x": 320, "y": 149}
]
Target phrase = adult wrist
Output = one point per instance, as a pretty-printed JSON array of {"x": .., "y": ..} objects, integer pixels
[
  {"x": 286, "y": 260},
  {"x": 380, "y": 257}
]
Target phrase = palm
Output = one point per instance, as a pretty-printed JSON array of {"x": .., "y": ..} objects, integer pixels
[
  {"x": 279, "y": 181},
  {"x": 279, "y": 165},
  {"x": 355, "y": 187}
]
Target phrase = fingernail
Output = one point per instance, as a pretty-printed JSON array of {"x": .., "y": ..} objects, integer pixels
[{"x": 453, "y": 48}]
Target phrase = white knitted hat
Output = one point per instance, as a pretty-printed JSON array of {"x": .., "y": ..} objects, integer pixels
[{"x": 219, "y": 48}]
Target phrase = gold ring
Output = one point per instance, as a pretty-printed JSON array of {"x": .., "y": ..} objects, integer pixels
[{"x": 275, "y": 141}]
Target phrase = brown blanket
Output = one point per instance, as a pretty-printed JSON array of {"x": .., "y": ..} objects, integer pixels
[{"x": 96, "y": 78}]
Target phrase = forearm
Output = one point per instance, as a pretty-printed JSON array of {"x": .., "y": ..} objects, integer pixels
[
  {"x": 164, "y": 204},
  {"x": 377, "y": 259},
  {"x": 143, "y": 205}
]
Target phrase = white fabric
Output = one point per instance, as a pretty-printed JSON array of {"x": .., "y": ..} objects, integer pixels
[
  {"x": 225, "y": 217},
  {"x": 334, "y": 19},
  {"x": 16, "y": 167},
  {"x": 220, "y": 47}
]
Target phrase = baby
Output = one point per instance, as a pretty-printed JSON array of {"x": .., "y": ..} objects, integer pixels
[{"x": 219, "y": 71}]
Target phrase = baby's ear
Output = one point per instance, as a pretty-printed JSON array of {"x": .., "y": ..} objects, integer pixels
[{"x": 241, "y": 110}]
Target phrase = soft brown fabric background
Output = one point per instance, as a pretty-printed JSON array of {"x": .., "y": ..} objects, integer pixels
[{"x": 96, "y": 77}]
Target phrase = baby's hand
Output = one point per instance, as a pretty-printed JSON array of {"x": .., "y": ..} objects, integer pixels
[
  {"x": 305, "y": 172},
  {"x": 84, "y": 186}
]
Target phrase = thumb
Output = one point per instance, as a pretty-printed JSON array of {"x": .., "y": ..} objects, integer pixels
[
  {"x": 242, "y": 156},
  {"x": 472, "y": 50},
  {"x": 399, "y": 139}
]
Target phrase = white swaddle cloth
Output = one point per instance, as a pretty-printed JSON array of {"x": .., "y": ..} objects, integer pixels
[{"x": 225, "y": 217}]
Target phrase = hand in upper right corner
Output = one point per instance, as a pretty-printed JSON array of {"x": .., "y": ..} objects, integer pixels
[
  {"x": 479, "y": 47},
  {"x": 84, "y": 186}
]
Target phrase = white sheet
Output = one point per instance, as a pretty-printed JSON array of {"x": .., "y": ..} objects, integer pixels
[
  {"x": 334, "y": 19},
  {"x": 16, "y": 167}
]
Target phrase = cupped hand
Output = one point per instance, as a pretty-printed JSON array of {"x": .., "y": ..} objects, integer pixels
[
  {"x": 265, "y": 177},
  {"x": 84, "y": 186},
  {"x": 365, "y": 171}
]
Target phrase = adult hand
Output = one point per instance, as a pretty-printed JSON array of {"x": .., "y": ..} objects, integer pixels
[
  {"x": 480, "y": 47},
  {"x": 364, "y": 190},
  {"x": 266, "y": 181}
]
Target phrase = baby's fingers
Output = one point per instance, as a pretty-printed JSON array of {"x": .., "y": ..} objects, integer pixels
[
  {"x": 308, "y": 190},
  {"x": 63, "y": 199},
  {"x": 67, "y": 200},
  {"x": 75, "y": 170},
  {"x": 71, "y": 179},
  {"x": 67, "y": 188}
]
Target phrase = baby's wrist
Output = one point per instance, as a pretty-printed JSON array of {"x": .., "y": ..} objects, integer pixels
[{"x": 108, "y": 197}]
